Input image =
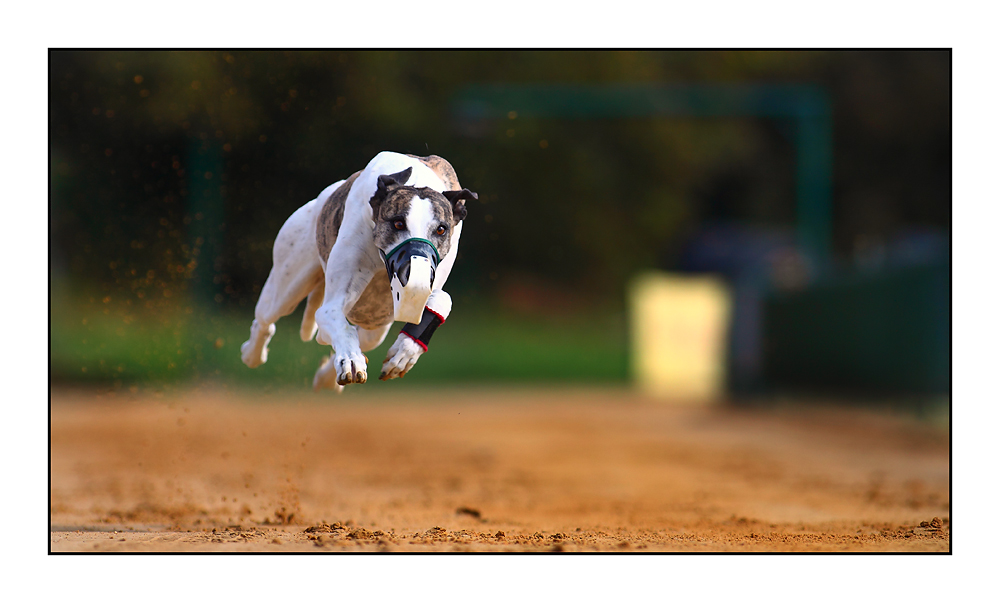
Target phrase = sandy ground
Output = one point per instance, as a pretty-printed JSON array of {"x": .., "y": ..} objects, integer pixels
[{"x": 210, "y": 470}]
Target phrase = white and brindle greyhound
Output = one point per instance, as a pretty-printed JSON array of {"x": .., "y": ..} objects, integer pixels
[{"x": 371, "y": 249}]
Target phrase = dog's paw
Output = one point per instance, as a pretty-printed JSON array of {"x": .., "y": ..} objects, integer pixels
[
  {"x": 351, "y": 367},
  {"x": 401, "y": 357},
  {"x": 253, "y": 352}
]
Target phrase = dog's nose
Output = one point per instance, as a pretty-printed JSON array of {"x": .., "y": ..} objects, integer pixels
[
  {"x": 398, "y": 261},
  {"x": 404, "y": 270}
]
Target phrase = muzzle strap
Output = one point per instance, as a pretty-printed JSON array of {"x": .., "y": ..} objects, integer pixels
[{"x": 393, "y": 251}]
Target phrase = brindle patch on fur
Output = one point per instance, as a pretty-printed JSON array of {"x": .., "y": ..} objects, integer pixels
[
  {"x": 374, "y": 308},
  {"x": 442, "y": 209},
  {"x": 397, "y": 205},
  {"x": 446, "y": 173},
  {"x": 331, "y": 216},
  {"x": 443, "y": 169}
]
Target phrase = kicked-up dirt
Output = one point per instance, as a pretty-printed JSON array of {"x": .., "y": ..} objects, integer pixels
[{"x": 211, "y": 470}]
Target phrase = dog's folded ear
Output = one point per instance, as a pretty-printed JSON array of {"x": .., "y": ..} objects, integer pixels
[
  {"x": 386, "y": 182},
  {"x": 458, "y": 199}
]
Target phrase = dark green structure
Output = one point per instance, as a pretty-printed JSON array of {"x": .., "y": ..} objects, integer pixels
[
  {"x": 808, "y": 107},
  {"x": 884, "y": 333}
]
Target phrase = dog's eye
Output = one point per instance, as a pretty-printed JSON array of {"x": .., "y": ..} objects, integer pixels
[
  {"x": 399, "y": 225},
  {"x": 441, "y": 229}
]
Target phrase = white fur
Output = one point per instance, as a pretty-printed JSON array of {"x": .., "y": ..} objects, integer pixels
[
  {"x": 420, "y": 217},
  {"x": 448, "y": 261},
  {"x": 353, "y": 261},
  {"x": 297, "y": 271}
]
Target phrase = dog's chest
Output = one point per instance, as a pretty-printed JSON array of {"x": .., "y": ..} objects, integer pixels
[{"x": 373, "y": 309}]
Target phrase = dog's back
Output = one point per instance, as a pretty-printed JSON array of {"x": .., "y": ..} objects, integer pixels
[{"x": 331, "y": 215}]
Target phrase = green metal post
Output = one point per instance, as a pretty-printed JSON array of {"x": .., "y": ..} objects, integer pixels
[{"x": 207, "y": 212}]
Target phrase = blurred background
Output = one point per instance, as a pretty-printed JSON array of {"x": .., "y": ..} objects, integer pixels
[{"x": 779, "y": 219}]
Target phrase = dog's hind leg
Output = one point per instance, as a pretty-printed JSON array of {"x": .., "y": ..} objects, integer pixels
[
  {"x": 370, "y": 339},
  {"x": 326, "y": 376},
  {"x": 313, "y": 302},
  {"x": 295, "y": 273},
  {"x": 284, "y": 289}
]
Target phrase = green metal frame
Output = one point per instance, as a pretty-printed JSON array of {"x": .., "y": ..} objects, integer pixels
[{"x": 807, "y": 105}]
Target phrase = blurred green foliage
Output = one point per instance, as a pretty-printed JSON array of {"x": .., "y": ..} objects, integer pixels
[
  {"x": 108, "y": 340},
  {"x": 580, "y": 203}
]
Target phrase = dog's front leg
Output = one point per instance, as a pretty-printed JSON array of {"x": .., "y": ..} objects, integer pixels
[
  {"x": 345, "y": 282},
  {"x": 412, "y": 341},
  {"x": 347, "y": 362}
]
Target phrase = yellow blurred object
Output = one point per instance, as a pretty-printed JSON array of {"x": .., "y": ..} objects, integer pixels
[{"x": 678, "y": 335}]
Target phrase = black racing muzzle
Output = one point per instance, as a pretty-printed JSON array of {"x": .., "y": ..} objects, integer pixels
[{"x": 397, "y": 261}]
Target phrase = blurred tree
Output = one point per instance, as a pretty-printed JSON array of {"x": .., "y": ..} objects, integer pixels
[{"x": 581, "y": 205}]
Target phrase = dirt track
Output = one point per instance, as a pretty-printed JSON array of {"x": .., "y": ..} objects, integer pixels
[{"x": 484, "y": 470}]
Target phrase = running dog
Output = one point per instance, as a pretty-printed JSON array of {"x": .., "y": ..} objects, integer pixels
[{"x": 371, "y": 249}]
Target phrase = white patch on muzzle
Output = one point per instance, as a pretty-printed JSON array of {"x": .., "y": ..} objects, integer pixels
[{"x": 408, "y": 302}]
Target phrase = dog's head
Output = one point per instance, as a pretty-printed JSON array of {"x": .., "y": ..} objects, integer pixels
[{"x": 413, "y": 229}]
